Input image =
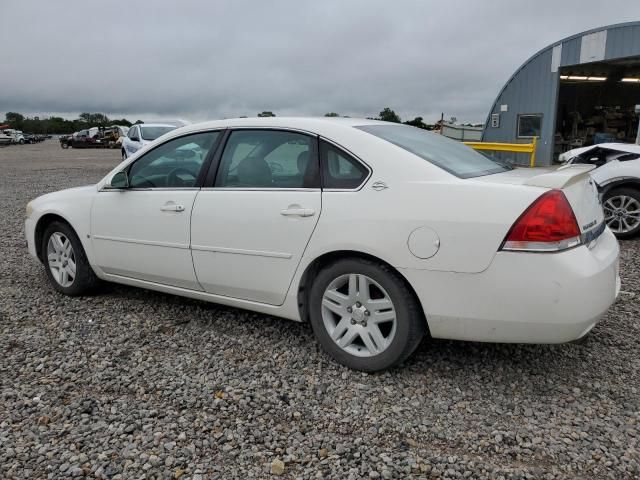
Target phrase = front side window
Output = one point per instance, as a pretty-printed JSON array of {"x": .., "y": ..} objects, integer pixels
[
  {"x": 133, "y": 133},
  {"x": 450, "y": 155},
  {"x": 268, "y": 159},
  {"x": 339, "y": 169},
  {"x": 174, "y": 164},
  {"x": 151, "y": 133},
  {"x": 529, "y": 126}
]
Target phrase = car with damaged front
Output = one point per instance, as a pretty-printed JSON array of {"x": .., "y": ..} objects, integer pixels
[
  {"x": 376, "y": 233},
  {"x": 617, "y": 175}
]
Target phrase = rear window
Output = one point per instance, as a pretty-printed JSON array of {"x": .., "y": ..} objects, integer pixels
[
  {"x": 450, "y": 155},
  {"x": 151, "y": 133}
]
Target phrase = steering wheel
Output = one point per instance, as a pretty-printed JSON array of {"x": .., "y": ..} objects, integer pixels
[{"x": 173, "y": 180}]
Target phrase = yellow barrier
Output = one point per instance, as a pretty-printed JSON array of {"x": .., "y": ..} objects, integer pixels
[{"x": 529, "y": 148}]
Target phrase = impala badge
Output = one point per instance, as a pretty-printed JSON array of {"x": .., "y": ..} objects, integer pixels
[{"x": 378, "y": 186}]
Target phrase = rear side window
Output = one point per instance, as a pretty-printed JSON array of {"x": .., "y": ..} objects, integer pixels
[
  {"x": 450, "y": 155},
  {"x": 339, "y": 169}
]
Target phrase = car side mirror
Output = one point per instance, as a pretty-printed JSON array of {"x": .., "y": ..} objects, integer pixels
[
  {"x": 119, "y": 180},
  {"x": 135, "y": 139}
]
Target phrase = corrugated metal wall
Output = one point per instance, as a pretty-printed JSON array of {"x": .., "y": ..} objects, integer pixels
[{"x": 533, "y": 89}]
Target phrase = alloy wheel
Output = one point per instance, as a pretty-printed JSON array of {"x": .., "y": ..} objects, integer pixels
[
  {"x": 61, "y": 259},
  {"x": 622, "y": 213},
  {"x": 359, "y": 315}
]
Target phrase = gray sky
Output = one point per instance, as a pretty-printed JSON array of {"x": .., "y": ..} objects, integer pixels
[{"x": 210, "y": 59}]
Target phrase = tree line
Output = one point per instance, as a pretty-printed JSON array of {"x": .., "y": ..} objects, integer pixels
[{"x": 46, "y": 125}]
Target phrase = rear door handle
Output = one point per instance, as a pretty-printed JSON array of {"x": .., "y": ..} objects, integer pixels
[
  {"x": 172, "y": 207},
  {"x": 298, "y": 212}
]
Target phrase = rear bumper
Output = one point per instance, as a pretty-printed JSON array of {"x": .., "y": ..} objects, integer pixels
[{"x": 523, "y": 297}]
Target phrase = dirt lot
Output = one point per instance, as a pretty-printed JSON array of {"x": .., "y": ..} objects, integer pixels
[{"x": 135, "y": 384}]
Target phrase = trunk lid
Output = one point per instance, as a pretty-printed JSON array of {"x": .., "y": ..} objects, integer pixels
[{"x": 574, "y": 181}]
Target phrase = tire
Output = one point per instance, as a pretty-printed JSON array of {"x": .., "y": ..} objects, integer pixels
[
  {"x": 64, "y": 145},
  {"x": 398, "y": 337},
  {"x": 124, "y": 154},
  {"x": 21, "y": 141},
  {"x": 84, "y": 280},
  {"x": 622, "y": 211}
]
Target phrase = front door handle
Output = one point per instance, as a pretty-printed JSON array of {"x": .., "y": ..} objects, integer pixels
[
  {"x": 298, "y": 212},
  {"x": 172, "y": 207}
]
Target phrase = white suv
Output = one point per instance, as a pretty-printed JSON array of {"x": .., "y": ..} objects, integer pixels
[
  {"x": 142, "y": 134},
  {"x": 618, "y": 178}
]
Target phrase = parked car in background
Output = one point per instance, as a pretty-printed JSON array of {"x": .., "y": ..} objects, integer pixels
[
  {"x": 618, "y": 178},
  {"x": 114, "y": 135},
  {"x": 5, "y": 138},
  {"x": 84, "y": 139},
  {"x": 141, "y": 135},
  {"x": 65, "y": 140},
  {"x": 373, "y": 232},
  {"x": 16, "y": 136},
  {"x": 33, "y": 138},
  {"x": 95, "y": 137}
]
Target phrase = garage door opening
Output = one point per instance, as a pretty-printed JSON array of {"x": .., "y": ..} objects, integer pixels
[{"x": 596, "y": 104}]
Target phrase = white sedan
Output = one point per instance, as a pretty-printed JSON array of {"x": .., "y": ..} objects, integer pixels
[
  {"x": 141, "y": 135},
  {"x": 376, "y": 233}
]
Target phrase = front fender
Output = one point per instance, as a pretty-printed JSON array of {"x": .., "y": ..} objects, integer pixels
[{"x": 73, "y": 206}]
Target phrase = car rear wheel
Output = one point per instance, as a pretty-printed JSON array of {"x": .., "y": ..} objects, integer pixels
[
  {"x": 622, "y": 211},
  {"x": 364, "y": 316},
  {"x": 66, "y": 263}
]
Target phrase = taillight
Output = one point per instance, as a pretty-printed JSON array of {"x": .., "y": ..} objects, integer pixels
[{"x": 548, "y": 225}]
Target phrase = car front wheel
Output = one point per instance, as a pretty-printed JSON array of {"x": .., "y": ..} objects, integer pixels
[
  {"x": 622, "y": 211},
  {"x": 364, "y": 315},
  {"x": 65, "y": 261}
]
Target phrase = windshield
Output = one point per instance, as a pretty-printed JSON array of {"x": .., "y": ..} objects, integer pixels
[
  {"x": 450, "y": 155},
  {"x": 151, "y": 133}
]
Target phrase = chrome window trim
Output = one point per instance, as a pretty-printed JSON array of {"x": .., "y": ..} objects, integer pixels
[
  {"x": 260, "y": 189},
  {"x": 160, "y": 189}
]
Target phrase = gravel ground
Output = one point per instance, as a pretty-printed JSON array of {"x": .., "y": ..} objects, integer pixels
[{"x": 132, "y": 384}]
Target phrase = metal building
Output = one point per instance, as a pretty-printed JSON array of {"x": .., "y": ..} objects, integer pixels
[{"x": 579, "y": 91}]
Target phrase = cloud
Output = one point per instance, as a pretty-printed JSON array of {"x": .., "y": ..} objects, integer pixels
[{"x": 204, "y": 60}]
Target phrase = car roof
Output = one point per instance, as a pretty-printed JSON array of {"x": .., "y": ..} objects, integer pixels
[{"x": 313, "y": 124}]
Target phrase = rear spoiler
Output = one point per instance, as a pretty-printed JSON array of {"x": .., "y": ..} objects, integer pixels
[{"x": 562, "y": 177}]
